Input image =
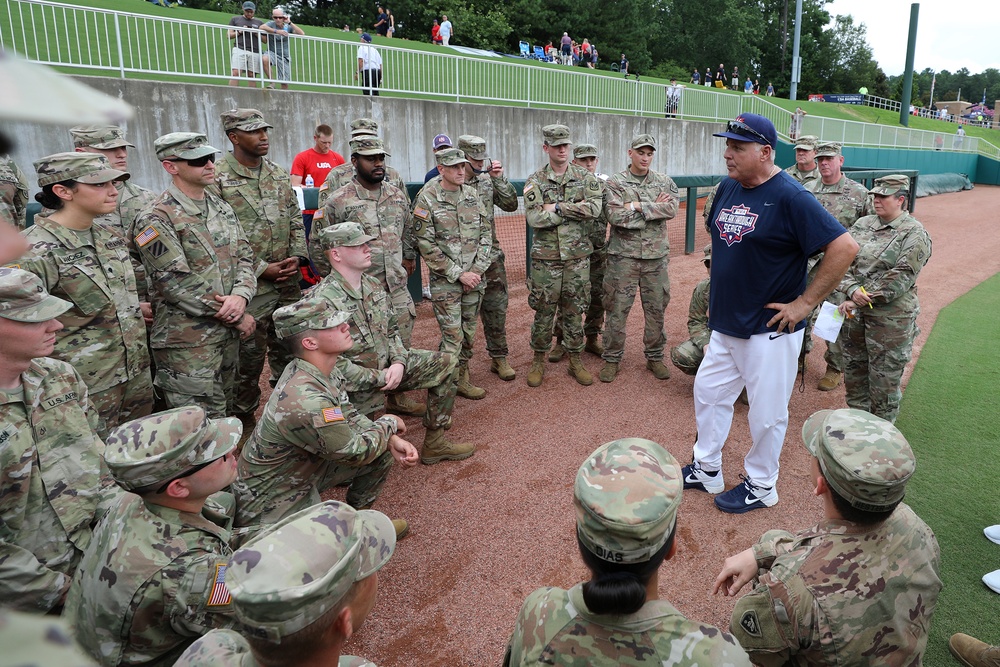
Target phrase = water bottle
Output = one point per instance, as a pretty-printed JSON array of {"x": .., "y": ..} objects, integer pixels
[{"x": 309, "y": 181}]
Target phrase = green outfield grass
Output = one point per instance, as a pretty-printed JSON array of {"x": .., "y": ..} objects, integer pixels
[{"x": 949, "y": 415}]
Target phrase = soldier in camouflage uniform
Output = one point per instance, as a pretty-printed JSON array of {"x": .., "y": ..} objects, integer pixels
[
  {"x": 858, "y": 588},
  {"x": 310, "y": 438},
  {"x": 342, "y": 174},
  {"x": 153, "y": 578},
  {"x": 688, "y": 355},
  {"x": 260, "y": 193},
  {"x": 640, "y": 201},
  {"x": 313, "y": 576},
  {"x": 627, "y": 494},
  {"x": 804, "y": 170},
  {"x": 487, "y": 177},
  {"x": 203, "y": 272},
  {"x": 31, "y": 640},
  {"x": 51, "y": 472},
  {"x": 13, "y": 193},
  {"x": 455, "y": 239},
  {"x": 378, "y": 358},
  {"x": 383, "y": 210},
  {"x": 561, "y": 203},
  {"x": 87, "y": 263},
  {"x": 847, "y": 201},
  {"x": 882, "y": 298}
]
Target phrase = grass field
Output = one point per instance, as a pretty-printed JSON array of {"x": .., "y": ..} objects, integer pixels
[{"x": 949, "y": 417}]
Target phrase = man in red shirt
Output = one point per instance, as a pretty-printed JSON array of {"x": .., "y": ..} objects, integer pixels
[{"x": 316, "y": 162}]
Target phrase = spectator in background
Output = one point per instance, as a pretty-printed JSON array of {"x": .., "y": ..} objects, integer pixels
[
  {"x": 623, "y": 66},
  {"x": 246, "y": 60},
  {"x": 566, "y": 48},
  {"x": 447, "y": 30},
  {"x": 708, "y": 76},
  {"x": 959, "y": 137},
  {"x": 720, "y": 76},
  {"x": 280, "y": 26},
  {"x": 748, "y": 86},
  {"x": 585, "y": 53},
  {"x": 770, "y": 90},
  {"x": 593, "y": 56},
  {"x": 435, "y": 32},
  {"x": 392, "y": 24},
  {"x": 756, "y": 86},
  {"x": 311, "y": 166},
  {"x": 381, "y": 25},
  {"x": 441, "y": 142},
  {"x": 796, "y": 125},
  {"x": 736, "y": 78},
  {"x": 369, "y": 66},
  {"x": 696, "y": 77}
]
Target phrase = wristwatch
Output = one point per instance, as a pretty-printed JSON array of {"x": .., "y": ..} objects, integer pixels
[{"x": 558, "y": 209}]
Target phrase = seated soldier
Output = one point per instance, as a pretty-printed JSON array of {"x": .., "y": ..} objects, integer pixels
[
  {"x": 153, "y": 578},
  {"x": 310, "y": 438},
  {"x": 688, "y": 355}
]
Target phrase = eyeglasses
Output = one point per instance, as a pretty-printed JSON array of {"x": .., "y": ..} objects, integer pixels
[
  {"x": 744, "y": 130},
  {"x": 198, "y": 162},
  {"x": 279, "y": 18}
]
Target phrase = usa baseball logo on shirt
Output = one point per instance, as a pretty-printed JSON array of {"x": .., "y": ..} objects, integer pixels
[{"x": 735, "y": 222}]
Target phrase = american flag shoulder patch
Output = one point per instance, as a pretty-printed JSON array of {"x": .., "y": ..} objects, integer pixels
[
  {"x": 333, "y": 415},
  {"x": 220, "y": 594},
  {"x": 421, "y": 213},
  {"x": 146, "y": 236}
]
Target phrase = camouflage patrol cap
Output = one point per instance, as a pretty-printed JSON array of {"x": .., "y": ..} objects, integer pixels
[
  {"x": 155, "y": 449},
  {"x": 626, "y": 496},
  {"x": 828, "y": 149},
  {"x": 584, "y": 150},
  {"x": 806, "y": 142},
  {"x": 311, "y": 314},
  {"x": 556, "y": 135},
  {"x": 708, "y": 254},
  {"x": 361, "y": 127},
  {"x": 865, "y": 459},
  {"x": 33, "y": 640},
  {"x": 891, "y": 185},
  {"x": 23, "y": 298},
  {"x": 449, "y": 157},
  {"x": 304, "y": 565},
  {"x": 101, "y": 137},
  {"x": 368, "y": 145},
  {"x": 473, "y": 146},
  {"x": 247, "y": 120},
  {"x": 183, "y": 146},
  {"x": 91, "y": 168},
  {"x": 345, "y": 234},
  {"x": 644, "y": 140}
]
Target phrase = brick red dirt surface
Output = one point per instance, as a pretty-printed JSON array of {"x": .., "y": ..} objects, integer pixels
[{"x": 489, "y": 530}]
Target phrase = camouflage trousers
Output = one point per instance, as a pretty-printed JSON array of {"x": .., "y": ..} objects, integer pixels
[
  {"x": 687, "y": 356},
  {"x": 204, "y": 376},
  {"x": 876, "y": 350},
  {"x": 364, "y": 481},
  {"x": 124, "y": 402},
  {"x": 493, "y": 312},
  {"x": 594, "y": 322},
  {"x": 402, "y": 303},
  {"x": 437, "y": 372},
  {"x": 624, "y": 276},
  {"x": 456, "y": 312},
  {"x": 262, "y": 342},
  {"x": 558, "y": 289}
]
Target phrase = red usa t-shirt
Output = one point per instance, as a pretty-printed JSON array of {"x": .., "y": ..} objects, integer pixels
[{"x": 317, "y": 165}]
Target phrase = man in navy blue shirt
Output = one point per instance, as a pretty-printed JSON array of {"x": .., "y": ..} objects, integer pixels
[{"x": 764, "y": 227}]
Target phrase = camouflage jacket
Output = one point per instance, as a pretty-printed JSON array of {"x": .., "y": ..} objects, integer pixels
[
  {"x": 343, "y": 174},
  {"x": 132, "y": 200},
  {"x": 888, "y": 263},
  {"x": 453, "y": 234},
  {"x": 698, "y": 330},
  {"x": 565, "y": 235},
  {"x": 47, "y": 440},
  {"x": 384, "y": 214},
  {"x": 13, "y": 193},
  {"x": 640, "y": 234},
  {"x": 228, "y": 648},
  {"x": 842, "y": 594},
  {"x": 803, "y": 177},
  {"x": 151, "y": 582},
  {"x": 308, "y": 427},
  {"x": 846, "y": 200},
  {"x": 103, "y": 334},
  {"x": 374, "y": 328},
  {"x": 555, "y": 627},
  {"x": 268, "y": 211},
  {"x": 189, "y": 259},
  {"x": 495, "y": 192}
]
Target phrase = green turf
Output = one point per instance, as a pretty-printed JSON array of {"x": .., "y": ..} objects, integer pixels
[{"x": 949, "y": 416}]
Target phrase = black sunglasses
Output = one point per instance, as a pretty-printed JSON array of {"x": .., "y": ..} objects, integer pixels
[
  {"x": 199, "y": 162},
  {"x": 279, "y": 18},
  {"x": 188, "y": 473},
  {"x": 744, "y": 130}
]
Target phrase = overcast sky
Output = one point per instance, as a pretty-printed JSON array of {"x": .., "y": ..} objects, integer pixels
[{"x": 950, "y": 35}]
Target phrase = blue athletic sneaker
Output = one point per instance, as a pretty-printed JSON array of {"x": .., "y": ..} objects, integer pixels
[
  {"x": 745, "y": 497},
  {"x": 696, "y": 478}
]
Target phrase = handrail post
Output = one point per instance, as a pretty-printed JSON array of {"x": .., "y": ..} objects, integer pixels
[
  {"x": 118, "y": 39},
  {"x": 692, "y": 205}
]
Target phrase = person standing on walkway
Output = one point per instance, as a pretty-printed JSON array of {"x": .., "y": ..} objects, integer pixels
[
  {"x": 369, "y": 66},
  {"x": 447, "y": 30}
]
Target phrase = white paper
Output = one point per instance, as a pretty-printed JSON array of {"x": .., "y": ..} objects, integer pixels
[{"x": 829, "y": 322}]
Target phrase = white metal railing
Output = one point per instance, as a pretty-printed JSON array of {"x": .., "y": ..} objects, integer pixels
[{"x": 124, "y": 43}]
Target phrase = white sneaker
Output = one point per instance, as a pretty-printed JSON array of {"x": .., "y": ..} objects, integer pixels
[
  {"x": 992, "y": 533},
  {"x": 992, "y": 580},
  {"x": 696, "y": 478}
]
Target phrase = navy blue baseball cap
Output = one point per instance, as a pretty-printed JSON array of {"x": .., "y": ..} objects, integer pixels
[{"x": 751, "y": 127}]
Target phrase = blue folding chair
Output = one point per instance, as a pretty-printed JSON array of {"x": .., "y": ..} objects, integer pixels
[
  {"x": 525, "y": 49},
  {"x": 540, "y": 54}
]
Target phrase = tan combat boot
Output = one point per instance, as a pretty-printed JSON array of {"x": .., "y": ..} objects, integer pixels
[
  {"x": 465, "y": 387},
  {"x": 401, "y": 526},
  {"x": 500, "y": 366},
  {"x": 557, "y": 353},
  {"x": 658, "y": 369},
  {"x": 537, "y": 370},
  {"x": 401, "y": 404},
  {"x": 830, "y": 381},
  {"x": 594, "y": 346},
  {"x": 577, "y": 370},
  {"x": 609, "y": 372},
  {"x": 437, "y": 449},
  {"x": 973, "y": 653}
]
